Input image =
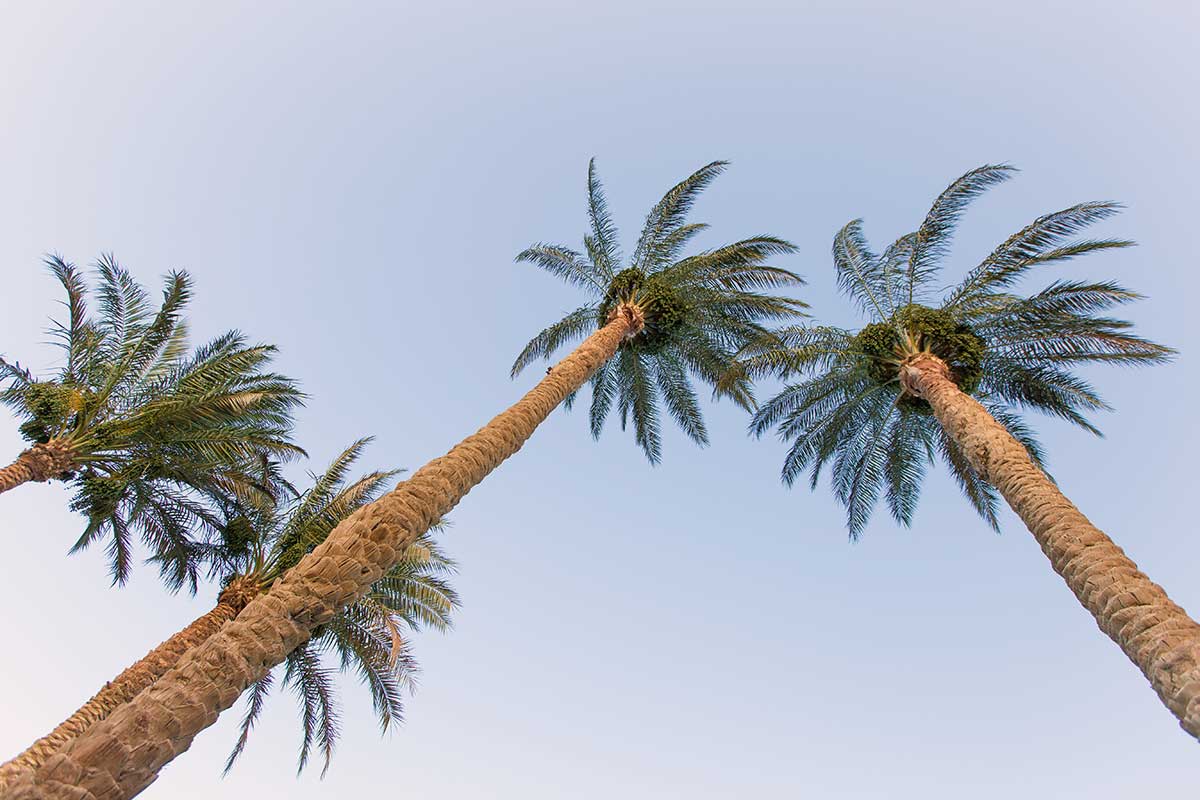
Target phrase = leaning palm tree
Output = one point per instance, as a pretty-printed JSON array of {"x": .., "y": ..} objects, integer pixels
[
  {"x": 369, "y": 636},
  {"x": 665, "y": 317},
  {"x": 142, "y": 429},
  {"x": 257, "y": 543},
  {"x": 948, "y": 378}
]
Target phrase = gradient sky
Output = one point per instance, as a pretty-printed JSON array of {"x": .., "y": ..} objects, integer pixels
[{"x": 353, "y": 185}]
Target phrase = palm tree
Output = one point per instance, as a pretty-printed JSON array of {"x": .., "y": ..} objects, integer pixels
[
  {"x": 369, "y": 635},
  {"x": 258, "y": 542},
  {"x": 692, "y": 314},
  {"x": 662, "y": 311},
  {"x": 949, "y": 377},
  {"x": 141, "y": 429}
]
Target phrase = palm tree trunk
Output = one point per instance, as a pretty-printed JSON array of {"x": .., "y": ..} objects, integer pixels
[
  {"x": 134, "y": 678},
  {"x": 1136, "y": 613},
  {"x": 122, "y": 755},
  {"x": 42, "y": 462}
]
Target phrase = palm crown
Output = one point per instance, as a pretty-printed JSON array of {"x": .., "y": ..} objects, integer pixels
[
  {"x": 150, "y": 431},
  {"x": 1010, "y": 351},
  {"x": 262, "y": 539},
  {"x": 697, "y": 311}
]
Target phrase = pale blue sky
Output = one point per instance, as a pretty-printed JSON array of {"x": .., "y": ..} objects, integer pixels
[{"x": 353, "y": 185}]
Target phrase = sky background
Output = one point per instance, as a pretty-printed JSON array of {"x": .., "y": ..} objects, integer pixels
[{"x": 352, "y": 185}]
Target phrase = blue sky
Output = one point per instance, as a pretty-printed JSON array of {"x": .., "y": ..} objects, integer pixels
[{"x": 352, "y": 185}]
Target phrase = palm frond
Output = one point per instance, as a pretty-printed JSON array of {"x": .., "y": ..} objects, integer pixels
[
  {"x": 860, "y": 272},
  {"x": 909, "y": 453},
  {"x": 255, "y": 700},
  {"x": 668, "y": 215},
  {"x": 680, "y": 397},
  {"x": 602, "y": 246},
  {"x": 572, "y": 327},
  {"x": 1039, "y": 243},
  {"x": 313, "y": 685},
  {"x": 565, "y": 263},
  {"x": 932, "y": 240}
]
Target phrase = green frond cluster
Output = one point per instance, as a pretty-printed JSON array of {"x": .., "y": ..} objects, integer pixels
[
  {"x": 664, "y": 311},
  {"x": 267, "y": 536},
  {"x": 1012, "y": 352},
  {"x": 700, "y": 311},
  {"x": 882, "y": 345},
  {"x": 155, "y": 431}
]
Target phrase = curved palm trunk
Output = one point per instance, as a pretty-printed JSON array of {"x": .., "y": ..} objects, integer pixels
[
  {"x": 42, "y": 462},
  {"x": 1136, "y": 613},
  {"x": 122, "y": 755},
  {"x": 133, "y": 679}
]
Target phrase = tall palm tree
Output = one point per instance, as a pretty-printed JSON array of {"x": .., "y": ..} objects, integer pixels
[
  {"x": 259, "y": 541},
  {"x": 949, "y": 377},
  {"x": 658, "y": 306},
  {"x": 142, "y": 429}
]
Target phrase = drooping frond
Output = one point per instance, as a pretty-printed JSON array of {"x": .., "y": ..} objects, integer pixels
[
  {"x": 642, "y": 405},
  {"x": 1059, "y": 326},
  {"x": 571, "y": 328},
  {"x": 909, "y": 452},
  {"x": 1043, "y": 387},
  {"x": 604, "y": 391},
  {"x": 564, "y": 263},
  {"x": 320, "y": 718},
  {"x": 680, "y": 397},
  {"x": 255, "y": 700},
  {"x": 368, "y": 641},
  {"x": 860, "y": 464}
]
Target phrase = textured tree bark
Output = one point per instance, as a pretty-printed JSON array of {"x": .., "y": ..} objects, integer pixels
[
  {"x": 1156, "y": 634},
  {"x": 122, "y": 755},
  {"x": 42, "y": 462},
  {"x": 133, "y": 679}
]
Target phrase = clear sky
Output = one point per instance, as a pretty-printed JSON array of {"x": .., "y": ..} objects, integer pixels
[{"x": 353, "y": 185}]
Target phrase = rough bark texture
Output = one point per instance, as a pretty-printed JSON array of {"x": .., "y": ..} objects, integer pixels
[
  {"x": 42, "y": 462},
  {"x": 1136, "y": 613},
  {"x": 135, "y": 678},
  {"x": 122, "y": 755}
]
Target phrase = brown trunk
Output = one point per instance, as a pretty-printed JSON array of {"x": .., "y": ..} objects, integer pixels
[
  {"x": 133, "y": 679},
  {"x": 1136, "y": 613},
  {"x": 122, "y": 755},
  {"x": 42, "y": 462}
]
